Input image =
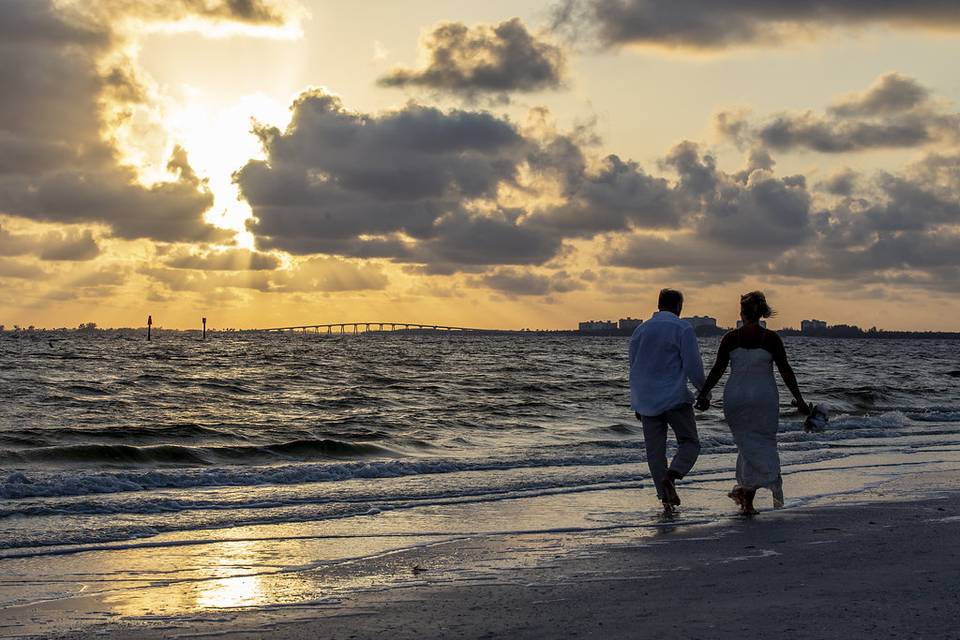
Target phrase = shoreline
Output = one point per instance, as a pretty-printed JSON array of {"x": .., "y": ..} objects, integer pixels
[{"x": 878, "y": 562}]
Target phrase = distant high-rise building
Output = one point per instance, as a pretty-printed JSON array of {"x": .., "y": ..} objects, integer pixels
[
  {"x": 598, "y": 326},
  {"x": 701, "y": 321},
  {"x": 629, "y": 324},
  {"x": 812, "y": 326}
]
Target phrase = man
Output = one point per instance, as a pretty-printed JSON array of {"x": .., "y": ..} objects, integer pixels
[{"x": 663, "y": 356}]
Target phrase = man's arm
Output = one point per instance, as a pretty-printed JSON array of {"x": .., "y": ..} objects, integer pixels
[{"x": 690, "y": 358}]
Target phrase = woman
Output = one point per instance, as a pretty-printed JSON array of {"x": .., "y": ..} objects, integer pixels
[{"x": 751, "y": 402}]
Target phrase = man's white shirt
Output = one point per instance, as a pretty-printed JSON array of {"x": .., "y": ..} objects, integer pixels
[{"x": 664, "y": 355}]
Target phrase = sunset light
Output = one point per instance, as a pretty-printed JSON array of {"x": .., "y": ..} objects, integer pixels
[{"x": 500, "y": 320}]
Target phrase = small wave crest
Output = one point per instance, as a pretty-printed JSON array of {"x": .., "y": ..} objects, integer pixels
[{"x": 130, "y": 455}]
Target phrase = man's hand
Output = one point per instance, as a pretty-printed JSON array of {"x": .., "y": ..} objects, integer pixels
[
  {"x": 801, "y": 407},
  {"x": 703, "y": 402}
]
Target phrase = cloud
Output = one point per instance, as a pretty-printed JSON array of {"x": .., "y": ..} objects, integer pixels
[
  {"x": 840, "y": 183},
  {"x": 515, "y": 282},
  {"x": 11, "y": 268},
  {"x": 66, "y": 82},
  {"x": 722, "y": 24},
  {"x": 616, "y": 195},
  {"x": 69, "y": 245},
  {"x": 733, "y": 224},
  {"x": 895, "y": 112},
  {"x": 417, "y": 185},
  {"x": 892, "y": 229},
  {"x": 468, "y": 61},
  {"x": 445, "y": 190},
  {"x": 314, "y": 275},
  {"x": 891, "y": 93},
  {"x": 226, "y": 260}
]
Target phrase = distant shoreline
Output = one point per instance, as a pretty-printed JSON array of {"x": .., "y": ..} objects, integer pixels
[{"x": 843, "y": 332}]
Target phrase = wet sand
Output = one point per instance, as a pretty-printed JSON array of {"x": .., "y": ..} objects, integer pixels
[{"x": 881, "y": 563}]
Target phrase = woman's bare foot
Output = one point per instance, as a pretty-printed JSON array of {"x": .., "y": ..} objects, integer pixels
[
  {"x": 736, "y": 494},
  {"x": 747, "y": 508}
]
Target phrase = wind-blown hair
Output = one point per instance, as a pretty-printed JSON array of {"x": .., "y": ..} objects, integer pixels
[{"x": 754, "y": 306}]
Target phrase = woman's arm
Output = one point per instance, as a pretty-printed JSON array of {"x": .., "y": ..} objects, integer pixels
[
  {"x": 786, "y": 372},
  {"x": 719, "y": 367}
]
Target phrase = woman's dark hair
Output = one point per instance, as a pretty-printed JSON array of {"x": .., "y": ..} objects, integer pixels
[{"x": 754, "y": 306}]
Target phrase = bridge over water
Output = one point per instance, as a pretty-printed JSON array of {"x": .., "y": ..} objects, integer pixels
[{"x": 341, "y": 328}]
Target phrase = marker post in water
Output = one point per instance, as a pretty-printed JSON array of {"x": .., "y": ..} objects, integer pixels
[
  {"x": 149, "y": 327},
  {"x": 204, "y": 328}
]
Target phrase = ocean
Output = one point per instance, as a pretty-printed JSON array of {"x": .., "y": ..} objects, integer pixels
[{"x": 105, "y": 437}]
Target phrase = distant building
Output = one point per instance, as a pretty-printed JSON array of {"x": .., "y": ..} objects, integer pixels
[
  {"x": 598, "y": 326},
  {"x": 812, "y": 326},
  {"x": 763, "y": 323},
  {"x": 629, "y": 324},
  {"x": 701, "y": 321}
]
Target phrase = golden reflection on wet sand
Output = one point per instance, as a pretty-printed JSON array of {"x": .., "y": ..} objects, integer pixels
[{"x": 230, "y": 589}]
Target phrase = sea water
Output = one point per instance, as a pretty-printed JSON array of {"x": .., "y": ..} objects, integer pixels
[{"x": 106, "y": 437}]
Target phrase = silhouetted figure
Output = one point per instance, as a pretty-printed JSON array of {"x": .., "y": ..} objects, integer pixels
[
  {"x": 751, "y": 401},
  {"x": 663, "y": 356}
]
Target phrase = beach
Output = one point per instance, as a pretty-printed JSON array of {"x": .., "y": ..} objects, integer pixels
[{"x": 880, "y": 562}]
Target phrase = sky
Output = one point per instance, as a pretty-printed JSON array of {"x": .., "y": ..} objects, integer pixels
[{"x": 500, "y": 164}]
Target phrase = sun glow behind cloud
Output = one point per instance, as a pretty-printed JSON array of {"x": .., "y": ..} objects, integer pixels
[{"x": 219, "y": 141}]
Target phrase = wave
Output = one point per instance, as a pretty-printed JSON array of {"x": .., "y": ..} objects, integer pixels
[
  {"x": 19, "y": 484},
  {"x": 934, "y": 415},
  {"x": 130, "y": 455}
]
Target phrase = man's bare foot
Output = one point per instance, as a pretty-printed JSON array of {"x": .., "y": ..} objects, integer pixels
[
  {"x": 668, "y": 509},
  {"x": 671, "y": 491}
]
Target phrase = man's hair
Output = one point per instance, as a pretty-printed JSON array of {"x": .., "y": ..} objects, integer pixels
[{"x": 670, "y": 299}]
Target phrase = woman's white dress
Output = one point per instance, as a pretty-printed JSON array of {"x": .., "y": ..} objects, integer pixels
[{"x": 751, "y": 405}]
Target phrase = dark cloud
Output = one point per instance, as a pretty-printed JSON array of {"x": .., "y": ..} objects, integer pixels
[
  {"x": 314, "y": 275},
  {"x": 687, "y": 258},
  {"x": 891, "y": 93},
  {"x": 720, "y": 24},
  {"x": 514, "y": 282},
  {"x": 618, "y": 195},
  {"x": 812, "y": 132},
  {"x": 896, "y": 112},
  {"x": 403, "y": 185},
  {"x": 734, "y": 223},
  {"x": 898, "y": 229},
  {"x": 427, "y": 187},
  {"x": 72, "y": 245},
  {"x": 840, "y": 183},
  {"x": 227, "y": 260},
  {"x": 475, "y": 240},
  {"x": 484, "y": 59},
  {"x": 248, "y": 12},
  {"x": 744, "y": 209},
  {"x": 56, "y": 163}
]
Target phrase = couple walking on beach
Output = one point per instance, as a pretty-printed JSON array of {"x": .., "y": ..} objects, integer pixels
[{"x": 664, "y": 355}]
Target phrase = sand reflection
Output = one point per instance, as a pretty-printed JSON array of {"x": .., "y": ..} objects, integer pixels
[{"x": 234, "y": 583}]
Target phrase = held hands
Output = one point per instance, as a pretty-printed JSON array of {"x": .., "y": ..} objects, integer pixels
[
  {"x": 801, "y": 406},
  {"x": 703, "y": 402}
]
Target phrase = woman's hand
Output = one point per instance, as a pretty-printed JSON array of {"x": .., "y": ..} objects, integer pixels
[
  {"x": 801, "y": 406},
  {"x": 703, "y": 402}
]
